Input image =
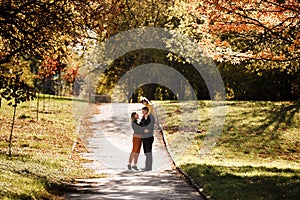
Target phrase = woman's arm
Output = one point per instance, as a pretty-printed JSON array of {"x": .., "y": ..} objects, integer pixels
[{"x": 137, "y": 128}]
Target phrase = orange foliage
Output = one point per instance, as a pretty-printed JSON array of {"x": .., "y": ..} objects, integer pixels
[
  {"x": 71, "y": 74},
  {"x": 276, "y": 21},
  {"x": 48, "y": 68}
]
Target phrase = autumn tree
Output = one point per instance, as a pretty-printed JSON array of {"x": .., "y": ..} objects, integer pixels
[
  {"x": 15, "y": 91},
  {"x": 259, "y": 29},
  {"x": 70, "y": 75},
  {"x": 134, "y": 14},
  {"x": 261, "y": 34},
  {"x": 37, "y": 29},
  {"x": 47, "y": 27}
]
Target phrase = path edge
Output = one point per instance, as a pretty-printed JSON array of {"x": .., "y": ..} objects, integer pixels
[{"x": 181, "y": 171}]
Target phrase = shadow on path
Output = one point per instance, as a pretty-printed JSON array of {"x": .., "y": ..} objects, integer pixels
[
  {"x": 109, "y": 149},
  {"x": 137, "y": 185}
]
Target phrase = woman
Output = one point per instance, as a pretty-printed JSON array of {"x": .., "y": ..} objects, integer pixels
[{"x": 136, "y": 141}]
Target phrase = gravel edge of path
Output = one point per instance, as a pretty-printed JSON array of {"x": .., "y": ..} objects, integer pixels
[{"x": 181, "y": 171}]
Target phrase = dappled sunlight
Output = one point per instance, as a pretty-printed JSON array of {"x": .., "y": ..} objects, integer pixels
[
  {"x": 258, "y": 149},
  {"x": 42, "y": 158},
  {"x": 135, "y": 186},
  {"x": 224, "y": 182}
]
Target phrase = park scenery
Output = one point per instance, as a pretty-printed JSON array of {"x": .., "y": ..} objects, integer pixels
[{"x": 220, "y": 78}]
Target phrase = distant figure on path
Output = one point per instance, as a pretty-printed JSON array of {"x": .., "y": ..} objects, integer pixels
[
  {"x": 136, "y": 141},
  {"x": 147, "y": 123}
]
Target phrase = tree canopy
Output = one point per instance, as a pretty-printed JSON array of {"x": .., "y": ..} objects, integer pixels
[
  {"x": 254, "y": 34},
  {"x": 238, "y": 30},
  {"x": 30, "y": 28},
  {"x": 46, "y": 28}
]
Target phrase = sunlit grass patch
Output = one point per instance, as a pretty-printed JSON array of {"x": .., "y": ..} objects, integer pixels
[
  {"x": 43, "y": 159},
  {"x": 259, "y": 147},
  {"x": 245, "y": 182}
]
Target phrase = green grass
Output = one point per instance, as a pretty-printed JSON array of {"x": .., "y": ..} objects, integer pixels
[
  {"x": 257, "y": 155},
  {"x": 42, "y": 161}
]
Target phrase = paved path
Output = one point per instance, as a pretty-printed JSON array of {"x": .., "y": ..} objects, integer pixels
[{"x": 109, "y": 149}]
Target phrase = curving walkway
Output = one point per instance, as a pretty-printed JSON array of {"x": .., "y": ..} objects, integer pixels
[{"x": 109, "y": 148}]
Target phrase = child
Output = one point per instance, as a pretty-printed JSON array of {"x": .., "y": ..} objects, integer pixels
[
  {"x": 152, "y": 111},
  {"x": 149, "y": 105}
]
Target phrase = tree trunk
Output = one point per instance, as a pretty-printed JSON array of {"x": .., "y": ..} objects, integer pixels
[
  {"x": 44, "y": 102},
  {"x": 135, "y": 96},
  {"x": 11, "y": 131},
  {"x": 37, "y": 107}
]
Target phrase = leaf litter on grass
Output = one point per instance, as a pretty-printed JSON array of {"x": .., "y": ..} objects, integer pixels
[{"x": 43, "y": 158}]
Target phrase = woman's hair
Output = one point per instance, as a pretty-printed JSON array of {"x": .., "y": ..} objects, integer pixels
[{"x": 132, "y": 116}]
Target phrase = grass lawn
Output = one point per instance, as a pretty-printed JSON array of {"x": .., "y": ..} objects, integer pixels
[
  {"x": 257, "y": 155},
  {"x": 42, "y": 160}
]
